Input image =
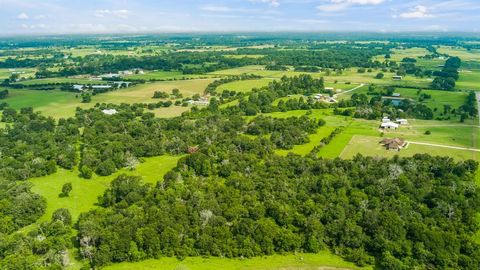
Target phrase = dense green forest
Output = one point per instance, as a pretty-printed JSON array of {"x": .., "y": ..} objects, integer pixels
[{"x": 397, "y": 214}]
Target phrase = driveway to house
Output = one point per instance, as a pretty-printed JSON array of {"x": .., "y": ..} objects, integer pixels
[
  {"x": 445, "y": 146},
  {"x": 353, "y": 89}
]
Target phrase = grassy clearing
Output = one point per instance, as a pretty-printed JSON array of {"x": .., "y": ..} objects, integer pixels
[
  {"x": 321, "y": 261},
  {"x": 169, "y": 112},
  {"x": 62, "y": 80},
  {"x": 308, "y": 147},
  {"x": 85, "y": 192},
  {"x": 469, "y": 80},
  {"x": 143, "y": 93},
  {"x": 7, "y": 72},
  {"x": 240, "y": 56},
  {"x": 53, "y": 103},
  {"x": 438, "y": 100},
  {"x": 464, "y": 54},
  {"x": 244, "y": 86}
]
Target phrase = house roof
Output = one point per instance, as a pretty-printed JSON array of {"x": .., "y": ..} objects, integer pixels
[
  {"x": 390, "y": 124},
  {"x": 394, "y": 143}
]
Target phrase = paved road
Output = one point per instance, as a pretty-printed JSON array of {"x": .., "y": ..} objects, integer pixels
[{"x": 445, "y": 146}]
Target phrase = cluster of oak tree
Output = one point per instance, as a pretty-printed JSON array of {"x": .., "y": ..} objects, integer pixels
[{"x": 237, "y": 199}]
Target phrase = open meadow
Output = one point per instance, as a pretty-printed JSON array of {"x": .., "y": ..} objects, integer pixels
[
  {"x": 85, "y": 192},
  {"x": 324, "y": 260}
]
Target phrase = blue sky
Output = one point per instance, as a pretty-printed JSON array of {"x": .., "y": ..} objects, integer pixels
[{"x": 140, "y": 16}]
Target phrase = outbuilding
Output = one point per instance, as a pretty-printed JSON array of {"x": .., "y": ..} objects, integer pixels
[{"x": 389, "y": 125}]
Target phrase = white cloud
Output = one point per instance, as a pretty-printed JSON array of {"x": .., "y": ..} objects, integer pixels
[
  {"x": 40, "y": 17},
  {"x": 337, "y": 5},
  {"x": 418, "y": 12},
  {"x": 34, "y": 26},
  {"x": 121, "y": 13},
  {"x": 23, "y": 16},
  {"x": 273, "y": 3},
  {"x": 213, "y": 8}
]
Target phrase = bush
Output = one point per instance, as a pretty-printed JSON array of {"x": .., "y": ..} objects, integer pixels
[{"x": 67, "y": 187}]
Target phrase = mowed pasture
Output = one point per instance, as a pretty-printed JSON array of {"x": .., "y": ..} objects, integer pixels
[
  {"x": 438, "y": 98},
  {"x": 164, "y": 76},
  {"x": 321, "y": 261},
  {"x": 244, "y": 86},
  {"x": 60, "y": 104},
  {"x": 464, "y": 54},
  {"x": 62, "y": 80},
  {"x": 350, "y": 75},
  {"x": 85, "y": 192},
  {"x": 25, "y": 72},
  {"x": 469, "y": 80},
  {"x": 398, "y": 54}
]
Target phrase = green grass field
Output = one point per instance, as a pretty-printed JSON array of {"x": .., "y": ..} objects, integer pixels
[
  {"x": 438, "y": 100},
  {"x": 306, "y": 148},
  {"x": 240, "y": 56},
  {"x": 6, "y": 72},
  {"x": 62, "y": 80},
  {"x": 321, "y": 261},
  {"x": 85, "y": 192},
  {"x": 244, "y": 86},
  {"x": 464, "y": 54},
  {"x": 165, "y": 75},
  {"x": 469, "y": 80}
]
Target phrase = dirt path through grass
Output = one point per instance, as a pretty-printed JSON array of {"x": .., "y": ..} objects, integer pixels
[
  {"x": 351, "y": 90},
  {"x": 445, "y": 146}
]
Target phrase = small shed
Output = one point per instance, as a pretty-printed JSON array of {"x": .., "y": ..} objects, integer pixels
[{"x": 397, "y": 78}]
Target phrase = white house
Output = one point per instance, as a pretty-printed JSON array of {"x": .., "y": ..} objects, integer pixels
[
  {"x": 402, "y": 121},
  {"x": 110, "y": 75},
  {"x": 389, "y": 125},
  {"x": 109, "y": 111},
  {"x": 329, "y": 89},
  {"x": 78, "y": 87},
  {"x": 386, "y": 119},
  {"x": 106, "y": 86}
]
